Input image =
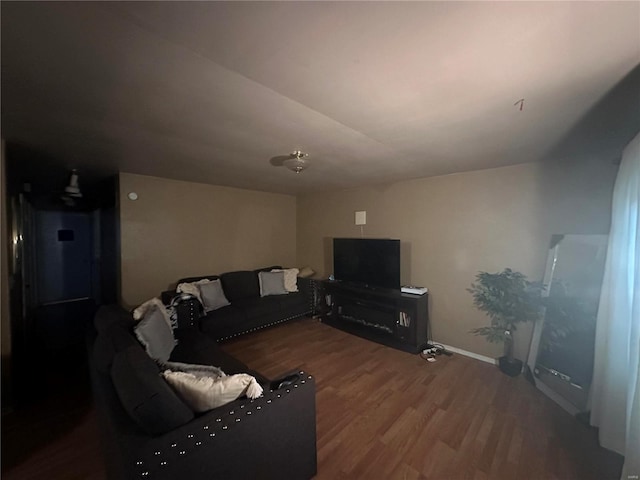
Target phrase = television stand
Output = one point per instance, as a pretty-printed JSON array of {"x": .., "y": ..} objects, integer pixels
[{"x": 395, "y": 319}]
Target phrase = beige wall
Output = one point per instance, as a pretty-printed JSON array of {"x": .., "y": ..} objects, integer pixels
[
  {"x": 453, "y": 226},
  {"x": 178, "y": 229}
]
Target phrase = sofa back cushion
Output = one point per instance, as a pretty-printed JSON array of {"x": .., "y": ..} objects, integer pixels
[
  {"x": 114, "y": 339},
  {"x": 195, "y": 279},
  {"x": 197, "y": 348},
  {"x": 108, "y": 315},
  {"x": 145, "y": 395},
  {"x": 240, "y": 285}
]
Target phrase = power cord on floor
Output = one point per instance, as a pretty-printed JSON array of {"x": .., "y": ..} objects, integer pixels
[
  {"x": 432, "y": 349},
  {"x": 430, "y": 352},
  {"x": 440, "y": 350}
]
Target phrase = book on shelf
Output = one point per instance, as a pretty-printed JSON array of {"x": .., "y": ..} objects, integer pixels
[
  {"x": 413, "y": 290},
  {"x": 404, "y": 319}
]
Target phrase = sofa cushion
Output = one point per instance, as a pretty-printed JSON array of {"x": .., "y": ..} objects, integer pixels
[
  {"x": 212, "y": 296},
  {"x": 306, "y": 272},
  {"x": 145, "y": 395},
  {"x": 155, "y": 334},
  {"x": 294, "y": 300},
  {"x": 196, "y": 348},
  {"x": 240, "y": 285},
  {"x": 116, "y": 338},
  {"x": 228, "y": 316},
  {"x": 271, "y": 283},
  {"x": 259, "y": 307},
  {"x": 205, "y": 393},
  {"x": 108, "y": 315},
  {"x": 290, "y": 278}
]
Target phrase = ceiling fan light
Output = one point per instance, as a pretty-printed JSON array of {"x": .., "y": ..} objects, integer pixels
[
  {"x": 73, "y": 189},
  {"x": 297, "y": 162}
]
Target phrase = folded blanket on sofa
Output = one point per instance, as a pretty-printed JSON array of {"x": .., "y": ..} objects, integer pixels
[
  {"x": 196, "y": 370},
  {"x": 192, "y": 288},
  {"x": 204, "y": 387}
]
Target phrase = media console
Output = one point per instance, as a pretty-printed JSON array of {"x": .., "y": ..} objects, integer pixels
[{"x": 386, "y": 316}]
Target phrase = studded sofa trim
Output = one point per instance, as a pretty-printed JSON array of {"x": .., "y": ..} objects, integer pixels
[{"x": 214, "y": 433}]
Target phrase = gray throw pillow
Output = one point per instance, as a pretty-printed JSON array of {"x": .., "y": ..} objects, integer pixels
[
  {"x": 155, "y": 334},
  {"x": 212, "y": 295},
  {"x": 271, "y": 283}
]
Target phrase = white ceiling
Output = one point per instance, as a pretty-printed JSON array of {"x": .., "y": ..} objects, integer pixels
[{"x": 374, "y": 92}]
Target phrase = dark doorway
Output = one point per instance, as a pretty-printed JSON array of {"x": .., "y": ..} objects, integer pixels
[
  {"x": 64, "y": 245},
  {"x": 66, "y": 267},
  {"x": 65, "y": 263}
]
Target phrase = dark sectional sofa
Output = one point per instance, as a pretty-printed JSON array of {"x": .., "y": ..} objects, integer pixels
[
  {"x": 248, "y": 310},
  {"x": 149, "y": 432}
]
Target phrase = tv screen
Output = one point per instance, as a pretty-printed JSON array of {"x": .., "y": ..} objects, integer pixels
[{"x": 367, "y": 261}]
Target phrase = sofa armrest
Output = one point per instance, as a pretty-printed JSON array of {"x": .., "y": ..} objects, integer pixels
[
  {"x": 188, "y": 309},
  {"x": 304, "y": 284},
  {"x": 307, "y": 287},
  {"x": 284, "y": 381},
  {"x": 271, "y": 437},
  {"x": 188, "y": 313}
]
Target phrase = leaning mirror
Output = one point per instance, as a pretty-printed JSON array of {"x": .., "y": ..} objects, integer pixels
[{"x": 562, "y": 348}]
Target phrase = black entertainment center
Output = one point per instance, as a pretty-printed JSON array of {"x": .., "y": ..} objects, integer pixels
[
  {"x": 365, "y": 297},
  {"x": 386, "y": 316}
]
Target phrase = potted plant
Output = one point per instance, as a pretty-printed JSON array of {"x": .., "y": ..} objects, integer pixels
[{"x": 508, "y": 298}]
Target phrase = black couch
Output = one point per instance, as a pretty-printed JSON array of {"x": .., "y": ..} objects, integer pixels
[
  {"x": 149, "y": 432},
  {"x": 248, "y": 310}
]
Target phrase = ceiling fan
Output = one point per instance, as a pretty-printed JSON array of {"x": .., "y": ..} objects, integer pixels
[
  {"x": 296, "y": 161},
  {"x": 72, "y": 190}
]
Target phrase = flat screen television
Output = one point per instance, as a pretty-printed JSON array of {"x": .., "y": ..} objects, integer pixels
[{"x": 369, "y": 262}]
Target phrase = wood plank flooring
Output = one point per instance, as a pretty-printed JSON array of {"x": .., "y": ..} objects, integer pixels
[
  {"x": 381, "y": 414},
  {"x": 386, "y": 414},
  {"x": 55, "y": 435}
]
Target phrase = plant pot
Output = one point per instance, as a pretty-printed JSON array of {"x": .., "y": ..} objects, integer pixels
[{"x": 510, "y": 366}]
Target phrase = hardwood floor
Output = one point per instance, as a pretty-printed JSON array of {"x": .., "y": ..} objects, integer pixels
[
  {"x": 386, "y": 414},
  {"x": 55, "y": 434},
  {"x": 381, "y": 414}
]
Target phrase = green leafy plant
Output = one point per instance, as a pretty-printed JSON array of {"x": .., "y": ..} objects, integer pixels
[{"x": 508, "y": 299}]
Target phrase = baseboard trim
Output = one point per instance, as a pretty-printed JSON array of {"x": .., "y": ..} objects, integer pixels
[{"x": 459, "y": 351}]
